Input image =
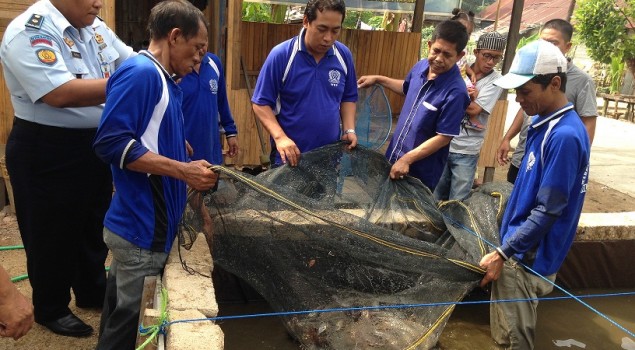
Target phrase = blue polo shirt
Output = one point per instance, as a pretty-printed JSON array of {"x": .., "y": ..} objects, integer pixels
[
  {"x": 204, "y": 106},
  {"x": 311, "y": 93},
  {"x": 431, "y": 107},
  {"x": 544, "y": 207},
  {"x": 143, "y": 115}
]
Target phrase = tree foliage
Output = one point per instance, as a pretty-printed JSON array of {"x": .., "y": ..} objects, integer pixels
[
  {"x": 256, "y": 12},
  {"x": 601, "y": 24}
]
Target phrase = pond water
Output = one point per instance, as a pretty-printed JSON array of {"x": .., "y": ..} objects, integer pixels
[{"x": 562, "y": 324}]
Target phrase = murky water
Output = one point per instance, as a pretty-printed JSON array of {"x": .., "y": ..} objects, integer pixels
[{"x": 562, "y": 324}]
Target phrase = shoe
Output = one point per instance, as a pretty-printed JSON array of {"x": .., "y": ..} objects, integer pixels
[
  {"x": 470, "y": 125},
  {"x": 70, "y": 326}
]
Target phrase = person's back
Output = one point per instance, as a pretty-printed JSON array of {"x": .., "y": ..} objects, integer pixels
[{"x": 205, "y": 106}]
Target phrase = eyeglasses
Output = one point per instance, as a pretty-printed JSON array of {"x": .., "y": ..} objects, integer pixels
[{"x": 489, "y": 57}]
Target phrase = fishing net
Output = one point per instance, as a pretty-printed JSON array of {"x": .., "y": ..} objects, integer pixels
[
  {"x": 373, "y": 119},
  {"x": 357, "y": 249}
]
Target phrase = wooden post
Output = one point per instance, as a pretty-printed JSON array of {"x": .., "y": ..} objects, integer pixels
[
  {"x": 148, "y": 297},
  {"x": 234, "y": 41},
  {"x": 107, "y": 13},
  {"x": 417, "y": 19},
  {"x": 495, "y": 128}
]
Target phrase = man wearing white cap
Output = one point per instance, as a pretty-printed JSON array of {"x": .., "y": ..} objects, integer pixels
[
  {"x": 458, "y": 174},
  {"x": 543, "y": 210}
]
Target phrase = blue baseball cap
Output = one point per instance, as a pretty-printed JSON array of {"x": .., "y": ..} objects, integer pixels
[{"x": 536, "y": 58}]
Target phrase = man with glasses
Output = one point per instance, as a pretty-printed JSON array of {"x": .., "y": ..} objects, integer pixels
[{"x": 458, "y": 175}]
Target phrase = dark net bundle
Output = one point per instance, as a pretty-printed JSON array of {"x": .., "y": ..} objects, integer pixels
[{"x": 336, "y": 233}]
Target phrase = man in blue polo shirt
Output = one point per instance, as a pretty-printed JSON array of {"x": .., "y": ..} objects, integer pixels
[
  {"x": 307, "y": 85},
  {"x": 543, "y": 210},
  {"x": 205, "y": 105},
  {"x": 436, "y": 100},
  {"x": 142, "y": 137}
]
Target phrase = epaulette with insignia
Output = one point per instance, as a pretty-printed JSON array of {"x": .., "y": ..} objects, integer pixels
[{"x": 35, "y": 21}]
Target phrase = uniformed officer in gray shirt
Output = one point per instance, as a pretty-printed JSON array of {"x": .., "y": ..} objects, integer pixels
[{"x": 57, "y": 57}]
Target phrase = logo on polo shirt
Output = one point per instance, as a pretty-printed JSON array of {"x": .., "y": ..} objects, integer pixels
[
  {"x": 334, "y": 77},
  {"x": 531, "y": 161},
  {"x": 213, "y": 86}
]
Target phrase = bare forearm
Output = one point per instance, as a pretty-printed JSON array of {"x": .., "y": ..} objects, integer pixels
[
  {"x": 473, "y": 109},
  {"x": 427, "y": 148},
  {"x": 394, "y": 85},
  {"x": 589, "y": 124},
  {"x": 347, "y": 113},
  {"x": 153, "y": 163},
  {"x": 268, "y": 120},
  {"x": 514, "y": 129},
  {"x": 77, "y": 93}
]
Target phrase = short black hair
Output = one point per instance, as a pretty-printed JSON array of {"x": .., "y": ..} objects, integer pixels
[
  {"x": 453, "y": 32},
  {"x": 562, "y": 26},
  {"x": 457, "y": 13},
  {"x": 545, "y": 79},
  {"x": 313, "y": 6},
  {"x": 170, "y": 14}
]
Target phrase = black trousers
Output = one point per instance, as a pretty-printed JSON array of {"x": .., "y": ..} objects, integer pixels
[
  {"x": 61, "y": 192},
  {"x": 512, "y": 173}
]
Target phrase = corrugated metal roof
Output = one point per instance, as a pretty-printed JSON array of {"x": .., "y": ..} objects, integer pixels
[{"x": 535, "y": 13}]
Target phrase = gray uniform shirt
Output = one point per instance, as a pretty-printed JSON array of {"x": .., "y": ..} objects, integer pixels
[
  {"x": 41, "y": 51},
  {"x": 580, "y": 91}
]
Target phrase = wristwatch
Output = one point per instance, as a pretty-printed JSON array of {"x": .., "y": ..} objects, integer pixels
[{"x": 349, "y": 131}]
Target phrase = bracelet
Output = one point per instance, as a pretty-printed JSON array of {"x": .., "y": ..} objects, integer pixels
[
  {"x": 501, "y": 253},
  {"x": 349, "y": 131}
]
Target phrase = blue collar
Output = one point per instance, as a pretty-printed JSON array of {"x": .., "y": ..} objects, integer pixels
[
  {"x": 557, "y": 114},
  {"x": 441, "y": 78}
]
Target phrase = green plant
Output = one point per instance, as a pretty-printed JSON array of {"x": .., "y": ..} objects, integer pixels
[
  {"x": 616, "y": 74},
  {"x": 601, "y": 25},
  {"x": 426, "y": 35},
  {"x": 256, "y": 12}
]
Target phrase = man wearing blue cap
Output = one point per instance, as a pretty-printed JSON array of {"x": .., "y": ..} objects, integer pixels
[{"x": 543, "y": 210}]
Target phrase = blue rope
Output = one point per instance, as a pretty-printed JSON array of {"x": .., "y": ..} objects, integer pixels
[
  {"x": 402, "y": 306},
  {"x": 546, "y": 279}
]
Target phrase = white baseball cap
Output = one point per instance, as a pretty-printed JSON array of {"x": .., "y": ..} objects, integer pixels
[{"x": 536, "y": 58}]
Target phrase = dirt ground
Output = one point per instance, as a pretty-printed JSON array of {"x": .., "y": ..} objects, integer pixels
[{"x": 599, "y": 199}]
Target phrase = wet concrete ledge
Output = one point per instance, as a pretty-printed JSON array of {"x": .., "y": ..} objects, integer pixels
[
  {"x": 191, "y": 297},
  {"x": 606, "y": 226}
]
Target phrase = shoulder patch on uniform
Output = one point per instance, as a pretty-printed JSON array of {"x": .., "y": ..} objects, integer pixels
[
  {"x": 35, "y": 21},
  {"x": 41, "y": 39},
  {"x": 46, "y": 56}
]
